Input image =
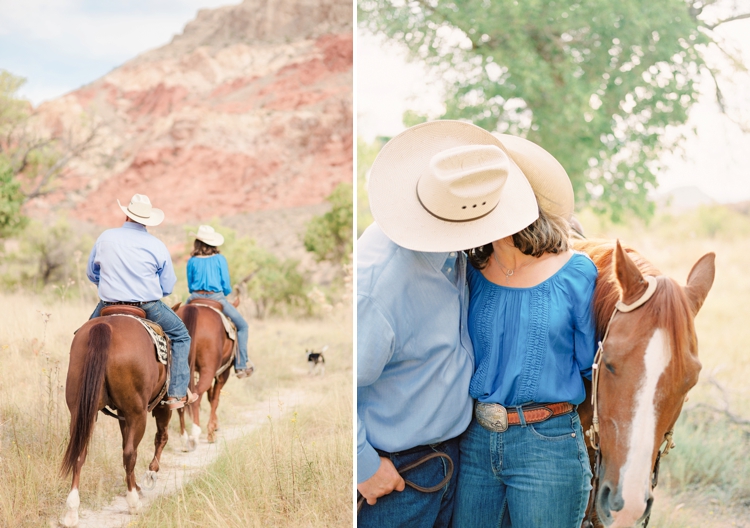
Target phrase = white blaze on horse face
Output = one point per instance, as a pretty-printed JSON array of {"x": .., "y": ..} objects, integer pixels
[{"x": 635, "y": 475}]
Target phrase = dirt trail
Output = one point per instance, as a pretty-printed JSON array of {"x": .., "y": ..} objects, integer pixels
[{"x": 177, "y": 468}]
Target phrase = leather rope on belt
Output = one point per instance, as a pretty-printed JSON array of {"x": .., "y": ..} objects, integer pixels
[{"x": 408, "y": 467}]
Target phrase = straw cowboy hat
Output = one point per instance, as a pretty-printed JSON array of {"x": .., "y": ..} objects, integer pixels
[
  {"x": 140, "y": 210},
  {"x": 449, "y": 185},
  {"x": 208, "y": 235}
]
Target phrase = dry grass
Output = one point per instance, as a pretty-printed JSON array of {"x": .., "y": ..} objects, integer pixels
[{"x": 35, "y": 419}]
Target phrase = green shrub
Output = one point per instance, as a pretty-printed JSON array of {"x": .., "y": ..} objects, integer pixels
[{"x": 329, "y": 236}]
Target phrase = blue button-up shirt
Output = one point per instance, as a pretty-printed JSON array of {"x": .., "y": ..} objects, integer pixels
[
  {"x": 414, "y": 356},
  {"x": 209, "y": 274},
  {"x": 129, "y": 264}
]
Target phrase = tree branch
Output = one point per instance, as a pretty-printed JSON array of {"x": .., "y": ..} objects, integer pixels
[{"x": 724, "y": 21}]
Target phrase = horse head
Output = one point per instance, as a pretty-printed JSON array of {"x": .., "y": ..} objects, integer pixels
[{"x": 649, "y": 362}]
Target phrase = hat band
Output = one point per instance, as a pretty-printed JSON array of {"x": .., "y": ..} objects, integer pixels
[
  {"x": 139, "y": 215},
  {"x": 454, "y": 220}
]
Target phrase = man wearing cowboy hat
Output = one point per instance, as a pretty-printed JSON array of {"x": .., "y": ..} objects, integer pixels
[
  {"x": 130, "y": 266},
  {"x": 436, "y": 189}
]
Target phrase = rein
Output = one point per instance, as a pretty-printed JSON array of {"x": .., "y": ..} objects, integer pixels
[
  {"x": 593, "y": 432},
  {"x": 431, "y": 489}
]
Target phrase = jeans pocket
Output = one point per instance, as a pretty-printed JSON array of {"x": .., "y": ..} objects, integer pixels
[{"x": 556, "y": 429}]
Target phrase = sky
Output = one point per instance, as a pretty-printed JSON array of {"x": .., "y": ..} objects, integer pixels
[
  {"x": 61, "y": 45},
  {"x": 715, "y": 159}
]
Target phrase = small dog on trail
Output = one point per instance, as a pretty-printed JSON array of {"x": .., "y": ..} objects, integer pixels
[{"x": 316, "y": 361}]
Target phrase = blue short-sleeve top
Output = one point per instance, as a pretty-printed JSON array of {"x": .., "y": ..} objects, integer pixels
[{"x": 533, "y": 344}]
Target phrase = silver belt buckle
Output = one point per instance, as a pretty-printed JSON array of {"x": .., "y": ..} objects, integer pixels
[{"x": 492, "y": 416}]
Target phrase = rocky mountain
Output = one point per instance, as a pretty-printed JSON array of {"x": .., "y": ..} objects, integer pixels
[{"x": 249, "y": 109}]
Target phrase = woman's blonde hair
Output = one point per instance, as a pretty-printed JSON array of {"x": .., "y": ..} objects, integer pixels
[{"x": 547, "y": 234}]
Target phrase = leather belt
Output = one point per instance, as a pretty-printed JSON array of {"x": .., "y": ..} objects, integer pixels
[
  {"x": 494, "y": 417},
  {"x": 129, "y": 303},
  {"x": 204, "y": 292}
]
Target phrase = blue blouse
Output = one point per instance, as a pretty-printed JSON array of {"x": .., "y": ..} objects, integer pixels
[
  {"x": 209, "y": 274},
  {"x": 533, "y": 344}
]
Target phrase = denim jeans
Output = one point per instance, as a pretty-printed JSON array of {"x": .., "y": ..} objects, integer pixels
[
  {"x": 240, "y": 362},
  {"x": 411, "y": 508},
  {"x": 532, "y": 476},
  {"x": 173, "y": 326}
]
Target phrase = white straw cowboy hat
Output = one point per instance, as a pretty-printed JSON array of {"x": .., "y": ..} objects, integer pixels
[
  {"x": 548, "y": 178},
  {"x": 140, "y": 210},
  {"x": 208, "y": 235},
  {"x": 449, "y": 185}
]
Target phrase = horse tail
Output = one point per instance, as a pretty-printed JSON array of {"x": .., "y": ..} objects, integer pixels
[{"x": 89, "y": 392}]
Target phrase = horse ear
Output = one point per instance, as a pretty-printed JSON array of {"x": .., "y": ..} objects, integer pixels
[
  {"x": 176, "y": 306},
  {"x": 628, "y": 275},
  {"x": 700, "y": 280}
]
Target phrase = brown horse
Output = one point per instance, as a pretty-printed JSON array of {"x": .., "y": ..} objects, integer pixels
[
  {"x": 649, "y": 362},
  {"x": 210, "y": 350},
  {"x": 112, "y": 363}
]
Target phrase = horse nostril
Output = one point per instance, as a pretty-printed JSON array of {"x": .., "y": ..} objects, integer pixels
[{"x": 609, "y": 501}]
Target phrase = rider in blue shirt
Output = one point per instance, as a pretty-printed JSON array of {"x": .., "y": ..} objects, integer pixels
[
  {"x": 208, "y": 278},
  {"x": 130, "y": 266}
]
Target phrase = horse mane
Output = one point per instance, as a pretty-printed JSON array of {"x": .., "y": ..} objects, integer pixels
[{"x": 669, "y": 305}]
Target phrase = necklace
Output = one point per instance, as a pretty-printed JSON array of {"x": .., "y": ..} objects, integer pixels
[{"x": 509, "y": 272}]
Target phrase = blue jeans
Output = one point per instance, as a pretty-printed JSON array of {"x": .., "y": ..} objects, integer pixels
[
  {"x": 411, "y": 508},
  {"x": 240, "y": 362},
  {"x": 173, "y": 326},
  {"x": 532, "y": 476}
]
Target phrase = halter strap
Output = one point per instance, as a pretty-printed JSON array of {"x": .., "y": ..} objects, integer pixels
[{"x": 625, "y": 308}]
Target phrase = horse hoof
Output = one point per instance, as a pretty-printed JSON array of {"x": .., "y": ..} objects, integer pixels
[
  {"x": 70, "y": 519},
  {"x": 211, "y": 438},
  {"x": 134, "y": 502},
  {"x": 149, "y": 480}
]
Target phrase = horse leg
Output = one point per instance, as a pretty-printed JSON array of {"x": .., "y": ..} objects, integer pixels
[
  {"x": 134, "y": 429},
  {"x": 213, "y": 422},
  {"x": 162, "y": 414},
  {"x": 201, "y": 387},
  {"x": 70, "y": 518},
  {"x": 183, "y": 432}
]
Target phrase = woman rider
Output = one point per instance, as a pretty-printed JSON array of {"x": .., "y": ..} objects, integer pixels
[{"x": 208, "y": 278}]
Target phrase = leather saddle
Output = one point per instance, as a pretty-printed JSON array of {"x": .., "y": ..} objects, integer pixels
[{"x": 123, "y": 309}]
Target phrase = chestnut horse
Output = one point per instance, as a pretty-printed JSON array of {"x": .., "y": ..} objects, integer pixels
[
  {"x": 112, "y": 363},
  {"x": 647, "y": 365},
  {"x": 210, "y": 349}
]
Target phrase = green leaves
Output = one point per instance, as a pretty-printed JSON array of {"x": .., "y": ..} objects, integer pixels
[
  {"x": 329, "y": 236},
  {"x": 596, "y": 83},
  {"x": 11, "y": 200}
]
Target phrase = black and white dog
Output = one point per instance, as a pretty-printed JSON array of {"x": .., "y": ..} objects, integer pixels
[{"x": 316, "y": 361}]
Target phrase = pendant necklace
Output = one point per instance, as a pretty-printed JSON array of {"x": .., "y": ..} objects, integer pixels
[{"x": 509, "y": 272}]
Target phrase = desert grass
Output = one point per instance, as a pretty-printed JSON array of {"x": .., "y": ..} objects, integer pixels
[
  {"x": 35, "y": 337},
  {"x": 295, "y": 471}
]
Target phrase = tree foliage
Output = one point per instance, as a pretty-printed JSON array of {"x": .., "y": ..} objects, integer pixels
[
  {"x": 31, "y": 156},
  {"x": 329, "y": 236},
  {"x": 596, "y": 83}
]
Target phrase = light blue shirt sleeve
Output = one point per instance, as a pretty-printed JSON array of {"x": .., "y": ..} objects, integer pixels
[
  {"x": 92, "y": 269},
  {"x": 224, "y": 271},
  {"x": 375, "y": 346},
  {"x": 167, "y": 277}
]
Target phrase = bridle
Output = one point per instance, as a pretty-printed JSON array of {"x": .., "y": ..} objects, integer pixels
[{"x": 593, "y": 432}]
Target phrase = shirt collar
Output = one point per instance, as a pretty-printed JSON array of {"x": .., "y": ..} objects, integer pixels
[
  {"x": 133, "y": 225},
  {"x": 436, "y": 260}
]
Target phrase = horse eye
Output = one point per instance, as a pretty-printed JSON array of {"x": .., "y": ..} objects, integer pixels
[{"x": 609, "y": 367}]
